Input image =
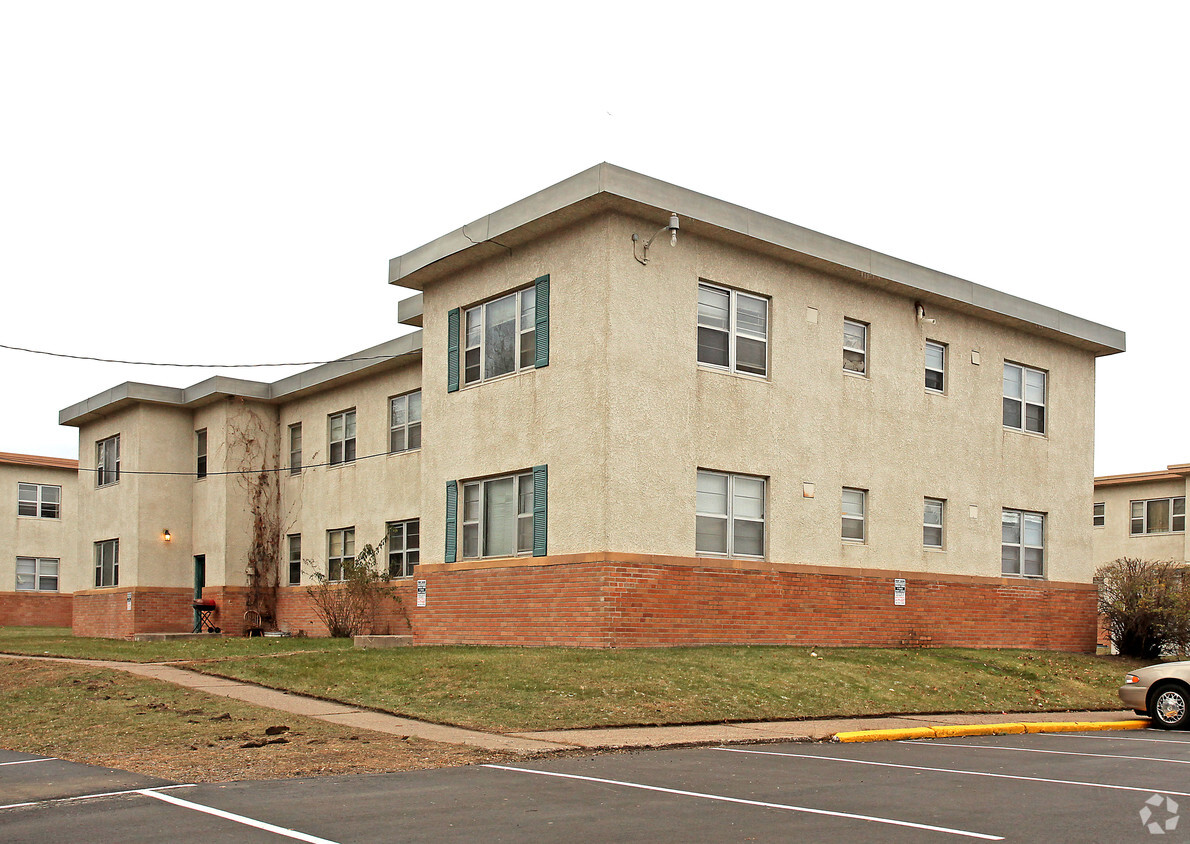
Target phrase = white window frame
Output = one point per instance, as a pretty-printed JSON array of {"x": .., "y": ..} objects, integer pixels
[
  {"x": 941, "y": 347},
  {"x": 939, "y": 526},
  {"x": 31, "y": 494},
  {"x": 107, "y": 461},
  {"x": 525, "y": 353},
  {"x": 346, "y": 444},
  {"x": 860, "y": 518},
  {"x": 730, "y": 518},
  {"x": 409, "y": 428},
  {"x": 295, "y": 448},
  {"x": 294, "y": 558},
  {"x": 1022, "y": 546},
  {"x": 334, "y": 562},
  {"x": 1023, "y": 401},
  {"x": 1143, "y": 518},
  {"x": 864, "y": 361},
  {"x": 1099, "y": 514},
  {"x": 403, "y": 556},
  {"x": 35, "y": 579},
  {"x": 734, "y": 331},
  {"x": 107, "y": 559},
  {"x": 473, "y": 525},
  {"x": 200, "y": 454}
]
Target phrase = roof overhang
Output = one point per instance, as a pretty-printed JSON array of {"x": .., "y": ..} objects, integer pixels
[
  {"x": 607, "y": 187},
  {"x": 1177, "y": 472}
]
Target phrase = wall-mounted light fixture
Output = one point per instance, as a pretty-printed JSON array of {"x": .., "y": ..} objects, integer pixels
[
  {"x": 672, "y": 228},
  {"x": 165, "y": 535},
  {"x": 922, "y": 319}
]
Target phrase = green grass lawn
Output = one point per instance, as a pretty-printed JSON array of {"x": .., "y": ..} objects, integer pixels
[{"x": 512, "y": 689}]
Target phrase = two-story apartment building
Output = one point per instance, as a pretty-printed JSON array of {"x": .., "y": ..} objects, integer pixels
[
  {"x": 761, "y": 434},
  {"x": 1141, "y": 515}
]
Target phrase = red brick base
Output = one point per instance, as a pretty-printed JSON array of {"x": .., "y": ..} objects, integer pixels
[
  {"x": 112, "y": 614},
  {"x": 35, "y": 609}
]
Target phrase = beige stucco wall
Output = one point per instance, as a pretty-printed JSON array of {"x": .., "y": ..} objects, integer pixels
[
  {"x": 377, "y": 488},
  {"x": 1114, "y": 539},
  {"x": 624, "y": 416},
  {"x": 30, "y": 536}
]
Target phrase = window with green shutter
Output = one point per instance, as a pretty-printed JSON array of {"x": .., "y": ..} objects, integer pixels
[
  {"x": 502, "y": 336},
  {"x": 452, "y": 510}
]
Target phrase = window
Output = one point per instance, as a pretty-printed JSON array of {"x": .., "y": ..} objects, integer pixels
[
  {"x": 403, "y": 547},
  {"x": 733, "y": 330},
  {"x": 37, "y": 574},
  {"x": 295, "y": 448},
  {"x": 107, "y": 563},
  {"x": 342, "y": 437},
  {"x": 498, "y": 516},
  {"x": 200, "y": 447},
  {"x": 404, "y": 423},
  {"x": 107, "y": 461},
  {"x": 1159, "y": 515},
  {"x": 340, "y": 549},
  {"x": 43, "y": 501},
  {"x": 1022, "y": 544},
  {"x": 729, "y": 514},
  {"x": 500, "y": 336},
  {"x": 1098, "y": 514},
  {"x": 1024, "y": 398},
  {"x": 935, "y": 367},
  {"x": 295, "y": 558},
  {"x": 854, "y": 505},
  {"x": 932, "y": 523},
  {"x": 855, "y": 347}
]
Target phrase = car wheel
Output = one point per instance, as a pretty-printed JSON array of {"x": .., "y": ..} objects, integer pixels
[{"x": 1170, "y": 707}]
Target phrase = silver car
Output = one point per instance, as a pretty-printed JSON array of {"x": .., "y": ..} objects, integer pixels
[{"x": 1162, "y": 692}]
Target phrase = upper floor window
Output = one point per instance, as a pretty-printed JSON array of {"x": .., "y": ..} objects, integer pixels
[
  {"x": 200, "y": 448},
  {"x": 855, "y": 346},
  {"x": 342, "y": 437},
  {"x": 41, "y": 500},
  {"x": 295, "y": 448},
  {"x": 404, "y": 545},
  {"x": 340, "y": 550},
  {"x": 498, "y": 516},
  {"x": 935, "y": 367},
  {"x": 729, "y": 514},
  {"x": 500, "y": 336},
  {"x": 107, "y": 461},
  {"x": 404, "y": 420},
  {"x": 1024, "y": 398},
  {"x": 855, "y": 505},
  {"x": 37, "y": 574},
  {"x": 107, "y": 563},
  {"x": 1099, "y": 514},
  {"x": 1159, "y": 515},
  {"x": 933, "y": 523},
  {"x": 294, "y": 554},
  {"x": 1022, "y": 544},
  {"x": 733, "y": 330}
]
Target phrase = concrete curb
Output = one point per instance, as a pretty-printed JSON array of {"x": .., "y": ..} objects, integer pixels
[{"x": 953, "y": 730}]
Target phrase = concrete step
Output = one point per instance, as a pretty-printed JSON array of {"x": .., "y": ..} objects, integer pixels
[{"x": 383, "y": 641}]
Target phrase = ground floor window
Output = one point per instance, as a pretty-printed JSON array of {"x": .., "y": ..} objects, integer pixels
[
  {"x": 729, "y": 514},
  {"x": 404, "y": 547},
  {"x": 295, "y": 558},
  {"x": 37, "y": 574},
  {"x": 1022, "y": 547},
  {"x": 107, "y": 563},
  {"x": 855, "y": 505},
  {"x": 498, "y": 516},
  {"x": 340, "y": 550}
]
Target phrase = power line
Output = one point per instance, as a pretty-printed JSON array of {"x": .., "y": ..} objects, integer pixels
[
  {"x": 194, "y": 365},
  {"x": 123, "y": 471}
]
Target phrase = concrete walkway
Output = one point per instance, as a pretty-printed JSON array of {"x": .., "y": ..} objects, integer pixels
[{"x": 609, "y": 738}]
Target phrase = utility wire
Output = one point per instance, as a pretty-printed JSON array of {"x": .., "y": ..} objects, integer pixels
[
  {"x": 123, "y": 471},
  {"x": 194, "y": 365}
]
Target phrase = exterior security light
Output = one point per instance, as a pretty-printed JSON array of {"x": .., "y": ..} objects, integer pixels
[
  {"x": 165, "y": 535},
  {"x": 672, "y": 228}
]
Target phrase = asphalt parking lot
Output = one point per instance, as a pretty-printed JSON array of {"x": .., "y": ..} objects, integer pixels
[{"x": 1103, "y": 787}]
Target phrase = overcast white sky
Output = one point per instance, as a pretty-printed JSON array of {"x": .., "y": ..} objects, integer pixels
[{"x": 225, "y": 182}]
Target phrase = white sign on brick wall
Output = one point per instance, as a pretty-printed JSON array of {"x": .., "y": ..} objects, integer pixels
[{"x": 899, "y": 592}]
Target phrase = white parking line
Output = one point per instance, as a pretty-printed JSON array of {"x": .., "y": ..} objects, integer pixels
[
  {"x": 26, "y": 761},
  {"x": 246, "y": 821},
  {"x": 760, "y": 803},
  {"x": 955, "y": 771},
  {"x": 1119, "y": 738},
  {"x": 1055, "y": 752},
  {"x": 90, "y": 796}
]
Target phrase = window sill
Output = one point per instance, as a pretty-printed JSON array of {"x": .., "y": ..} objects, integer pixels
[
  {"x": 748, "y": 376},
  {"x": 340, "y": 465},
  {"x": 710, "y": 555},
  {"x": 518, "y": 556},
  {"x": 1033, "y": 577},
  {"x": 930, "y": 392},
  {"x": 41, "y": 518},
  {"x": 1034, "y": 434},
  {"x": 1135, "y": 535},
  {"x": 404, "y": 451},
  {"x": 856, "y": 543},
  {"x": 933, "y": 549},
  {"x": 495, "y": 378},
  {"x": 853, "y": 374}
]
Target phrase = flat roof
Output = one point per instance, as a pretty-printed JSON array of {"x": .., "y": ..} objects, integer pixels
[
  {"x": 38, "y": 460},
  {"x": 606, "y": 186},
  {"x": 1175, "y": 472},
  {"x": 390, "y": 353}
]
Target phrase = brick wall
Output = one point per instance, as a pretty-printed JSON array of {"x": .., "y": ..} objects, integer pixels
[
  {"x": 35, "y": 609},
  {"x": 105, "y": 612}
]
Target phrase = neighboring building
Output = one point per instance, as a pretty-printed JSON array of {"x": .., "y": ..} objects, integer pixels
[
  {"x": 38, "y": 539},
  {"x": 763, "y": 435},
  {"x": 1141, "y": 515}
]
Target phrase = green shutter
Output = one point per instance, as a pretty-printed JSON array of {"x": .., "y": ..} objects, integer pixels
[
  {"x": 542, "y": 310},
  {"x": 452, "y": 516},
  {"x": 539, "y": 484},
  {"x": 452, "y": 350}
]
